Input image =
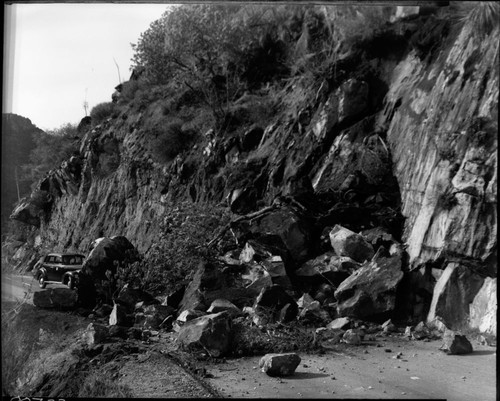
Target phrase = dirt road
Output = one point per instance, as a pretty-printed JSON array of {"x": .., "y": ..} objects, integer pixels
[
  {"x": 421, "y": 371},
  {"x": 17, "y": 287}
]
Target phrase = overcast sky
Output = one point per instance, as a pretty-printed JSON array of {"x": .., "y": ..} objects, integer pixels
[{"x": 58, "y": 55}]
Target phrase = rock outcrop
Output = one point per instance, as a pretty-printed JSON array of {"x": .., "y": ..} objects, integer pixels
[{"x": 372, "y": 289}]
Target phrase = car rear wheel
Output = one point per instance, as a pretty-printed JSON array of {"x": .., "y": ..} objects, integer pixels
[
  {"x": 41, "y": 281},
  {"x": 71, "y": 282}
]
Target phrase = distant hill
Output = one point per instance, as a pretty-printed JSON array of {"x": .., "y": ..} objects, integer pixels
[{"x": 17, "y": 142}]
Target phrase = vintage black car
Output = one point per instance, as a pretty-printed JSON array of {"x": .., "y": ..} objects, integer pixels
[{"x": 59, "y": 267}]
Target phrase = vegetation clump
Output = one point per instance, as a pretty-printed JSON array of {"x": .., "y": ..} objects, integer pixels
[
  {"x": 186, "y": 229},
  {"x": 170, "y": 140},
  {"x": 102, "y": 111}
]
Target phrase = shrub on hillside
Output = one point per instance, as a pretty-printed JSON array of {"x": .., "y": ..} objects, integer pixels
[
  {"x": 170, "y": 140},
  {"x": 185, "y": 231},
  {"x": 215, "y": 50},
  {"x": 102, "y": 111}
]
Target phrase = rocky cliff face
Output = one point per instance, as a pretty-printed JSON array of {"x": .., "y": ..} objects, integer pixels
[{"x": 404, "y": 139}]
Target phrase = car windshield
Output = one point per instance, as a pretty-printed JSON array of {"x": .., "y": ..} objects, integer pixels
[{"x": 72, "y": 259}]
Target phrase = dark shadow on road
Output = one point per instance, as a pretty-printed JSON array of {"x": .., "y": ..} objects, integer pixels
[
  {"x": 306, "y": 375},
  {"x": 478, "y": 353}
]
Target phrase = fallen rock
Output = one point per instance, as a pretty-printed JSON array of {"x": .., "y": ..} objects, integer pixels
[
  {"x": 220, "y": 305},
  {"x": 105, "y": 252},
  {"x": 189, "y": 314},
  {"x": 348, "y": 243},
  {"x": 270, "y": 302},
  {"x": 95, "y": 334},
  {"x": 257, "y": 278},
  {"x": 279, "y": 364},
  {"x": 342, "y": 323},
  {"x": 377, "y": 237},
  {"x": 324, "y": 293},
  {"x": 371, "y": 290},
  {"x": 351, "y": 337},
  {"x": 456, "y": 344},
  {"x": 408, "y": 332},
  {"x": 55, "y": 298},
  {"x": 160, "y": 312},
  {"x": 421, "y": 332},
  {"x": 283, "y": 227},
  {"x": 118, "y": 331},
  {"x": 388, "y": 327},
  {"x": 210, "y": 283},
  {"x": 119, "y": 316},
  {"x": 328, "y": 338},
  {"x": 211, "y": 333},
  {"x": 333, "y": 268},
  {"x": 130, "y": 297},
  {"x": 271, "y": 258}
]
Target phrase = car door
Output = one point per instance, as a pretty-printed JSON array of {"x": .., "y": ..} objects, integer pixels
[
  {"x": 57, "y": 270},
  {"x": 52, "y": 267},
  {"x": 49, "y": 267}
]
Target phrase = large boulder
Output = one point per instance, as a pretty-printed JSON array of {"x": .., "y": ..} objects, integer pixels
[
  {"x": 453, "y": 293},
  {"x": 55, "y": 298},
  {"x": 209, "y": 283},
  {"x": 348, "y": 243},
  {"x": 483, "y": 309},
  {"x": 211, "y": 333},
  {"x": 328, "y": 266},
  {"x": 207, "y": 278},
  {"x": 283, "y": 227},
  {"x": 106, "y": 253},
  {"x": 279, "y": 364},
  {"x": 270, "y": 302},
  {"x": 455, "y": 344},
  {"x": 129, "y": 297},
  {"x": 371, "y": 290}
]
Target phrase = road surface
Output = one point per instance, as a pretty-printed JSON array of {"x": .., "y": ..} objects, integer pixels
[{"x": 17, "y": 287}]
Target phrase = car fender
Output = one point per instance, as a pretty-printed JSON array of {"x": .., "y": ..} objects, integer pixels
[
  {"x": 41, "y": 271},
  {"x": 73, "y": 274}
]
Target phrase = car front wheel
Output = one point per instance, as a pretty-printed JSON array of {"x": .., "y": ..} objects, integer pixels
[{"x": 41, "y": 281}]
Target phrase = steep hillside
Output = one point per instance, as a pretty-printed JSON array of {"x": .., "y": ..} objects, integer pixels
[
  {"x": 17, "y": 142},
  {"x": 398, "y": 133}
]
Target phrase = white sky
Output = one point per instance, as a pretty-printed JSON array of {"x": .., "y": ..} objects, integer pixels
[{"x": 58, "y": 54}]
